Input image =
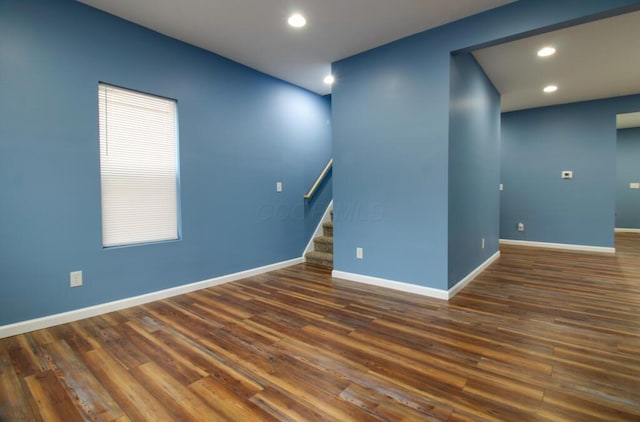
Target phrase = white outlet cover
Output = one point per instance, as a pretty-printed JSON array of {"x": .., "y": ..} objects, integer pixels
[
  {"x": 75, "y": 278},
  {"x": 278, "y": 186},
  {"x": 567, "y": 174},
  {"x": 634, "y": 185},
  {"x": 359, "y": 253}
]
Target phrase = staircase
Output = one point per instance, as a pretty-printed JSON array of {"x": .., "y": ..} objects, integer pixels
[{"x": 322, "y": 253}]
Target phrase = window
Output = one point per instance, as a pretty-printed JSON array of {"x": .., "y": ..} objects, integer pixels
[{"x": 138, "y": 167}]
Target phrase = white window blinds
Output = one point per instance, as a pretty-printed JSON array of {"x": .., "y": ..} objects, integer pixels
[{"x": 138, "y": 167}]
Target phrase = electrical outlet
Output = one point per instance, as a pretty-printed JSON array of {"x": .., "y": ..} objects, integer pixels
[
  {"x": 278, "y": 186},
  {"x": 483, "y": 243},
  {"x": 359, "y": 253},
  {"x": 520, "y": 227},
  {"x": 75, "y": 278},
  {"x": 501, "y": 187}
]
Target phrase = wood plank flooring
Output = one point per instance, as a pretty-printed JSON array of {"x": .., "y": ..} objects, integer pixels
[{"x": 541, "y": 335}]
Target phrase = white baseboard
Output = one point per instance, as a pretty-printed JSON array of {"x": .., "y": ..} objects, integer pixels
[
  {"x": 325, "y": 217},
  {"x": 623, "y": 230},
  {"x": 65, "y": 317},
  {"x": 472, "y": 275},
  {"x": 566, "y": 246},
  {"x": 414, "y": 288},
  {"x": 391, "y": 284}
]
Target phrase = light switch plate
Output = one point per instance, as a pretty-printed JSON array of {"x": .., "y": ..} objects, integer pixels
[
  {"x": 75, "y": 279},
  {"x": 278, "y": 186},
  {"x": 635, "y": 185}
]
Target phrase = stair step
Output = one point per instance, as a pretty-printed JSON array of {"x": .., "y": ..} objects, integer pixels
[
  {"x": 323, "y": 244},
  {"x": 324, "y": 256},
  {"x": 320, "y": 258},
  {"x": 327, "y": 228},
  {"x": 323, "y": 239}
]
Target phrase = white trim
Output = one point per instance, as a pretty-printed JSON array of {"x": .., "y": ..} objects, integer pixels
[
  {"x": 325, "y": 217},
  {"x": 472, "y": 275},
  {"x": 65, "y": 317},
  {"x": 414, "y": 288},
  {"x": 391, "y": 284},
  {"x": 622, "y": 230},
  {"x": 570, "y": 247}
]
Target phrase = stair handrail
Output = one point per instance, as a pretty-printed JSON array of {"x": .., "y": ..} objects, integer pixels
[{"x": 319, "y": 180}]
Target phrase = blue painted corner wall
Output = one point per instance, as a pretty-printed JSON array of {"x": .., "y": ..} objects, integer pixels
[
  {"x": 240, "y": 132},
  {"x": 537, "y": 145},
  {"x": 387, "y": 175},
  {"x": 474, "y": 168},
  {"x": 391, "y": 108},
  {"x": 628, "y": 171}
]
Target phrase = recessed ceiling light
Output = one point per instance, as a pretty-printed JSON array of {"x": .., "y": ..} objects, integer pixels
[
  {"x": 546, "y": 52},
  {"x": 550, "y": 88},
  {"x": 329, "y": 79},
  {"x": 297, "y": 20}
]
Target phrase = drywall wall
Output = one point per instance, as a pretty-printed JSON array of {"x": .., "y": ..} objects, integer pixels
[
  {"x": 390, "y": 108},
  {"x": 240, "y": 132},
  {"x": 474, "y": 168},
  {"x": 537, "y": 145},
  {"x": 628, "y": 171}
]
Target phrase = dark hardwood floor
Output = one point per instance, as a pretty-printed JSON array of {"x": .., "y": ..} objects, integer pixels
[{"x": 541, "y": 335}]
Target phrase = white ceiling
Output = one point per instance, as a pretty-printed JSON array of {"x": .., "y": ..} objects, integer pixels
[
  {"x": 255, "y": 32},
  {"x": 594, "y": 60},
  {"x": 600, "y": 59}
]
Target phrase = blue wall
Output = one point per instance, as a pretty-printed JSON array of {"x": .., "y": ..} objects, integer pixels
[
  {"x": 628, "y": 161},
  {"x": 390, "y": 110},
  {"x": 389, "y": 178},
  {"x": 474, "y": 167},
  {"x": 537, "y": 145},
  {"x": 240, "y": 132}
]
